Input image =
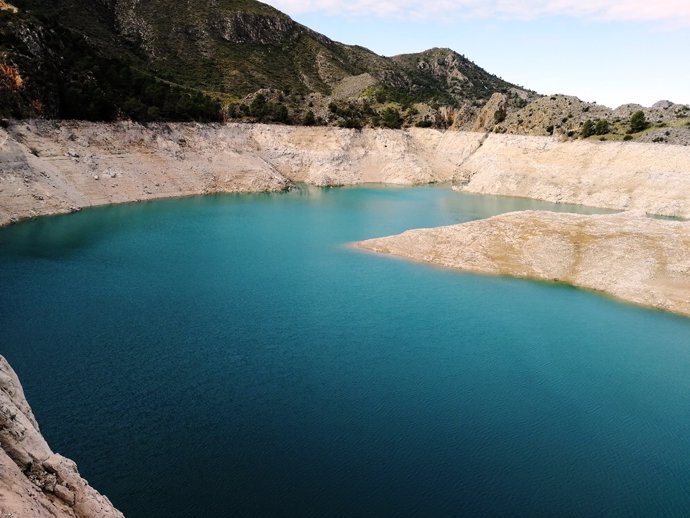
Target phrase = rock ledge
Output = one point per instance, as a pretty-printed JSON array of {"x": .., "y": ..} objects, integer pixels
[{"x": 34, "y": 481}]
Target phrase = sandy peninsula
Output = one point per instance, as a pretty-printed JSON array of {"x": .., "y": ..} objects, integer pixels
[{"x": 629, "y": 256}]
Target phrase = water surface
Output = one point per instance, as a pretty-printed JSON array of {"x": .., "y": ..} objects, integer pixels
[{"x": 228, "y": 356}]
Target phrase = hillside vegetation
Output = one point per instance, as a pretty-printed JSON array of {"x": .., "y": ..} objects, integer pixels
[
  {"x": 242, "y": 60},
  {"x": 212, "y": 59}
]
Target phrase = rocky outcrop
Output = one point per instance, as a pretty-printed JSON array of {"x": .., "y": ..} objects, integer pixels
[
  {"x": 34, "y": 481},
  {"x": 492, "y": 113},
  {"x": 5, "y": 6},
  {"x": 627, "y": 255},
  {"x": 566, "y": 115},
  {"x": 463, "y": 80}
]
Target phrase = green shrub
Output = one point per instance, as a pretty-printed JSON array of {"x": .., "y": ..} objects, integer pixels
[
  {"x": 588, "y": 129},
  {"x": 351, "y": 123},
  {"x": 391, "y": 118},
  {"x": 259, "y": 107},
  {"x": 638, "y": 122},
  {"x": 309, "y": 119},
  {"x": 602, "y": 127},
  {"x": 279, "y": 112},
  {"x": 499, "y": 116},
  {"x": 628, "y": 137}
]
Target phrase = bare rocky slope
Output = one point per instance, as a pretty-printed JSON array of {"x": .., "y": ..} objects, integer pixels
[
  {"x": 34, "y": 481},
  {"x": 50, "y": 168},
  {"x": 627, "y": 255},
  {"x": 57, "y": 167},
  {"x": 666, "y": 122}
]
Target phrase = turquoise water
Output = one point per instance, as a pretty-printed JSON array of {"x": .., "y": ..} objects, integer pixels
[{"x": 228, "y": 356}]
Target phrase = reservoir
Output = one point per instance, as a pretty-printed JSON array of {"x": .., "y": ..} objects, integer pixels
[{"x": 230, "y": 355}]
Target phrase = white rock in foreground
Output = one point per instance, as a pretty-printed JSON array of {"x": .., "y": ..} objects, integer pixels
[
  {"x": 627, "y": 255},
  {"x": 34, "y": 481}
]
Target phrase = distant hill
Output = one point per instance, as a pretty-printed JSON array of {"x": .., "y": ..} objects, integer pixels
[
  {"x": 213, "y": 59},
  {"x": 569, "y": 117}
]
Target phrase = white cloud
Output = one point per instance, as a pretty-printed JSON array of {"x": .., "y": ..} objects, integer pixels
[{"x": 676, "y": 12}]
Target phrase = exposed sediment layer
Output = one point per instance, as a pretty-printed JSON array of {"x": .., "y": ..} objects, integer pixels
[
  {"x": 34, "y": 481},
  {"x": 627, "y": 255},
  {"x": 616, "y": 175},
  {"x": 51, "y": 167}
]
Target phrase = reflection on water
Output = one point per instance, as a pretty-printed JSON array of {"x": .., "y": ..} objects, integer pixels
[{"x": 62, "y": 235}]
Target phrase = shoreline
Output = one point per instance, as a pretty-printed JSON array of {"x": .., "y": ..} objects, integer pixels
[
  {"x": 626, "y": 256},
  {"x": 356, "y": 246},
  {"x": 57, "y": 167}
]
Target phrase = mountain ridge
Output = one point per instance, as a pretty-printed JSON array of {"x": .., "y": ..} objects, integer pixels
[
  {"x": 229, "y": 51},
  {"x": 245, "y": 61}
]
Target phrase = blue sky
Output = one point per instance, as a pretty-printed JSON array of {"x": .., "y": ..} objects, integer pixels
[{"x": 610, "y": 52}]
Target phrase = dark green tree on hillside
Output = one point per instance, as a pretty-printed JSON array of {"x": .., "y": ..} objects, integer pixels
[
  {"x": 259, "y": 106},
  {"x": 588, "y": 129},
  {"x": 638, "y": 122},
  {"x": 602, "y": 127},
  {"x": 391, "y": 118},
  {"x": 309, "y": 118},
  {"x": 279, "y": 113}
]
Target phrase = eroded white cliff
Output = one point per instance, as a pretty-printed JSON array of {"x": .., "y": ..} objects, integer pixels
[{"x": 54, "y": 167}]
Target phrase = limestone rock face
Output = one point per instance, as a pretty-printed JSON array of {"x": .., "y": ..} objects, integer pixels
[
  {"x": 48, "y": 168},
  {"x": 627, "y": 255},
  {"x": 613, "y": 175},
  {"x": 34, "y": 481},
  {"x": 662, "y": 105},
  {"x": 486, "y": 118},
  {"x": 58, "y": 167}
]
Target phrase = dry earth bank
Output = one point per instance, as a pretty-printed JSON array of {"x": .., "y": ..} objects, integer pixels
[
  {"x": 49, "y": 167},
  {"x": 615, "y": 175}
]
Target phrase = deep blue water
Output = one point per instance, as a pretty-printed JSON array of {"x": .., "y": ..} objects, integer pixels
[{"x": 229, "y": 356}]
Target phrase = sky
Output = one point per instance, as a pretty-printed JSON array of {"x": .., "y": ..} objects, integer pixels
[{"x": 607, "y": 51}]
